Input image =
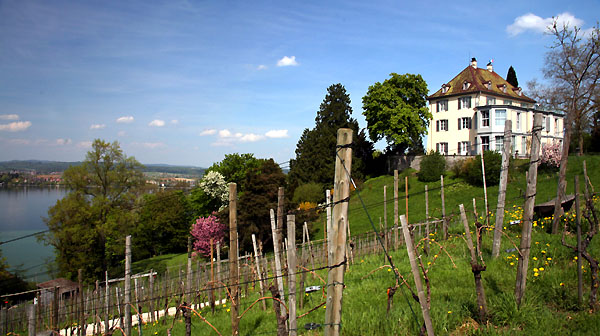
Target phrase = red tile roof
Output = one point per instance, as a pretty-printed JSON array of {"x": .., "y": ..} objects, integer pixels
[{"x": 478, "y": 79}]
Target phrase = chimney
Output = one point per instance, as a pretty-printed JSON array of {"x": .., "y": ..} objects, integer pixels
[
  {"x": 490, "y": 67},
  {"x": 474, "y": 63}
]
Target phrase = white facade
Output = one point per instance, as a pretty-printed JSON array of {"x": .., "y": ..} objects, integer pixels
[{"x": 472, "y": 116}]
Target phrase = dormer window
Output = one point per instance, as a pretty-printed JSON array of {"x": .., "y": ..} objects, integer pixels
[
  {"x": 445, "y": 88},
  {"x": 518, "y": 91},
  {"x": 466, "y": 85},
  {"x": 502, "y": 87},
  {"x": 488, "y": 85}
]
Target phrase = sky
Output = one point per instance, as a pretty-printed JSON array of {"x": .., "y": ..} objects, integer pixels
[{"x": 186, "y": 82}]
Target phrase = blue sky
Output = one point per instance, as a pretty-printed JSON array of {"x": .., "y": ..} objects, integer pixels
[{"x": 186, "y": 82}]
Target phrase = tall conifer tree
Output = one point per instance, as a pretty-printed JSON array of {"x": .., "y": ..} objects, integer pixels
[{"x": 511, "y": 77}]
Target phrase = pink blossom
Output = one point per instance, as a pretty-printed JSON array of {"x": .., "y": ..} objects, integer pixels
[
  {"x": 551, "y": 155},
  {"x": 205, "y": 229}
]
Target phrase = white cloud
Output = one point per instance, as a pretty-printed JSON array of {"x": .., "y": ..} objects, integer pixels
[
  {"x": 538, "y": 24},
  {"x": 97, "y": 126},
  {"x": 122, "y": 133},
  {"x": 16, "y": 126},
  {"x": 225, "y": 134},
  {"x": 9, "y": 117},
  {"x": 84, "y": 144},
  {"x": 251, "y": 137},
  {"x": 157, "y": 123},
  {"x": 174, "y": 121},
  {"x": 62, "y": 142},
  {"x": 287, "y": 61},
  {"x": 208, "y": 132},
  {"x": 261, "y": 67},
  {"x": 277, "y": 134},
  {"x": 125, "y": 120}
]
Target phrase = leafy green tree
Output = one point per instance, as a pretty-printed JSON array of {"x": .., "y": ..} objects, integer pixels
[
  {"x": 88, "y": 226},
  {"x": 396, "y": 111},
  {"x": 12, "y": 282},
  {"x": 163, "y": 225},
  {"x": 210, "y": 196},
  {"x": 309, "y": 192},
  {"x": 315, "y": 151},
  {"x": 234, "y": 168},
  {"x": 511, "y": 77}
]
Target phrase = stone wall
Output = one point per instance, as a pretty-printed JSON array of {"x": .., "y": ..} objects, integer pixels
[{"x": 402, "y": 162}]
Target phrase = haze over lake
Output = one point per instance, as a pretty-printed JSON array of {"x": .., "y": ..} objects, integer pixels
[{"x": 22, "y": 212}]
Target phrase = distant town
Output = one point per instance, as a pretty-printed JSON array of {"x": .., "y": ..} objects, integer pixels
[{"x": 49, "y": 173}]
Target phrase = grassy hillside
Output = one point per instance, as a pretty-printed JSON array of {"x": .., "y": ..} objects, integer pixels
[
  {"x": 456, "y": 192},
  {"x": 550, "y": 305}
]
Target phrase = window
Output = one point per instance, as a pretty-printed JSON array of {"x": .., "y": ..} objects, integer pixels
[
  {"x": 445, "y": 88},
  {"x": 556, "y": 129},
  {"x": 500, "y": 117},
  {"x": 441, "y": 125},
  {"x": 524, "y": 105},
  {"x": 513, "y": 144},
  {"x": 485, "y": 118},
  {"x": 466, "y": 85},
  {"x": 491, "y": 101},
  {"x": 507, "y": 102},
  {"x": 442, "y": 105},
  {"x": 464, "y": 102},
  {"x": 463, "y": 148},
  {"x": 442, "y": 147},
  {"x": 464, "y": 123},
  {"x": 547, "y": 122},
  {"x": 499, "y": 143},
  {"x": 485, "y": 143},
  {"x": 518, "y": 121},
  {"x": 544, "y": 124},
  {"x": 523, "y": 145}
]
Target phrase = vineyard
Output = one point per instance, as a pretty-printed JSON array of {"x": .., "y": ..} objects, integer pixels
[{"x": 428, "y": 271}]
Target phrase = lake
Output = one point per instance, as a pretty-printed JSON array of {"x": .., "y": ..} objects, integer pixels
[{"x": 21, "y": 213}]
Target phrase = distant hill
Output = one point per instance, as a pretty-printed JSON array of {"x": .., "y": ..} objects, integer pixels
[{"x": 43, "y": 166}]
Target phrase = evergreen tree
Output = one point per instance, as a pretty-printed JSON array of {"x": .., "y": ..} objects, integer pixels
[
  {"x": 511, "y": 77},
  {"x": 315, "y": 151}
]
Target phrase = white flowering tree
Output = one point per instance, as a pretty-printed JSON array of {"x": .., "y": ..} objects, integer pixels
[{"x": 213, "y": 184}]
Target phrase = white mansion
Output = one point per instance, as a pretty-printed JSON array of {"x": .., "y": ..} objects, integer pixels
[{"x": 469, "y": 114}]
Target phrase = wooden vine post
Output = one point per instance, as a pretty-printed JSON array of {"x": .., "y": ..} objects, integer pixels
[
  {"x": 427, "y": 242},
  {"x": 337, "y": 234},
  {"x": 276, "y": 254},
  {"x": 258, "y": 273},
  {"x": 188, "y": 280},
  {"x": 502, "y": 189},
  {"x": 487, "y": 209},
  {"x": 385, "y": 222},
  {"x": 579, "y": 259},
  {"x": 525, "y": 246},
  {"x": 396, "y": 208},
  {"x": 291, "y": 256},
  {"x": 444, "y": 220},
  {"x": 127, "y": 290},
  {"x": 412, "y": 257},
  {"x": 233, "y": 260},
  {"x": 476, "y": 268}
]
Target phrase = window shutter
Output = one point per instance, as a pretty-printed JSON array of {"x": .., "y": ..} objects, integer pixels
[
  {"x": 437, "y": 147},
  {"x": 470, "y": 125},
  {"x": 459, "y": 124},
  {"x": 437, "y": 125},
  {"x": 469, "y": 100},
  {"x": 459, "y": 149},
  {"x": 459, "y": 99}
]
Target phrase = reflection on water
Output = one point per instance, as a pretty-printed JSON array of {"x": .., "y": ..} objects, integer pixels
[{"x": 21, "y": 213}]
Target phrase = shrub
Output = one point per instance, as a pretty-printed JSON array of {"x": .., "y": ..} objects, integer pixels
[
  {"x": 493, "y": 166},
  {"x": 551, "y": 155},
  {"x": 203, "y": 230},
  {"x": 432, "y": 166},
  {"x": 310, "y": 192}
]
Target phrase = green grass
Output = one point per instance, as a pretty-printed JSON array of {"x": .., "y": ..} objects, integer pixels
[
  {"x": 456, "y": 192},
  {"x": 549, "y": 307}
]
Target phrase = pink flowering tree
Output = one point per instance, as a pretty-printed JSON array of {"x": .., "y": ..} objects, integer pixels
[
  {"x": 551, "y": 154},
  {"x": 203, "y": 230}
]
